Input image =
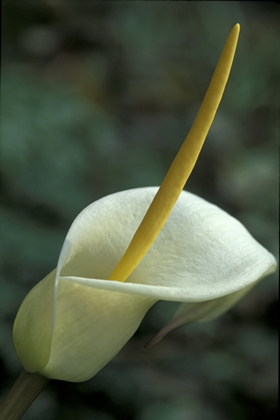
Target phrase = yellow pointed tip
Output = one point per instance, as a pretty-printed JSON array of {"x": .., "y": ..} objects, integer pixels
[
  {"x": 181, "y": 167},
  {"x": 236, "y": 30}
]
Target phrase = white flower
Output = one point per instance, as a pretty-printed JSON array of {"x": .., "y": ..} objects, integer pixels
[
  {"x": 202, "y": 256},
  {"x": 128, "y": 250}
]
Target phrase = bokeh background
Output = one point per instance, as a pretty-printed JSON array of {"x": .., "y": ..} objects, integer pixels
[{"x": 97, "y": 97}]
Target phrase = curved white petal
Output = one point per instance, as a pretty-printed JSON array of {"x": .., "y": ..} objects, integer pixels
[
  {"x": 91, "y": 327},
  {"x": 202, "y": 253}
]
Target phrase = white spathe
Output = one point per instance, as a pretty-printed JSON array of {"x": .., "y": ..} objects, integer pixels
[
  {"x": 77, "y": 321},
  {"x": 201, "y": 252}
]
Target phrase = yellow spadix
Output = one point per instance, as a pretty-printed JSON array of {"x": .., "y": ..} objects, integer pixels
[{"x": 181, "y": 167}]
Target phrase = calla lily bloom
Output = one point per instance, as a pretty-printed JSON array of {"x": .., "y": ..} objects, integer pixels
[{"x": 128, "y": 250}]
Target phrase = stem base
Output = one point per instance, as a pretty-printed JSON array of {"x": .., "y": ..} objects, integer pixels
[{"x": 24, "y": 391}]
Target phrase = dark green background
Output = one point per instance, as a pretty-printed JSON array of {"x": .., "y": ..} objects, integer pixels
[{"x": 97, "y": 97}]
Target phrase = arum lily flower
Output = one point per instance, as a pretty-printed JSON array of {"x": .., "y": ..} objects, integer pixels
[{"x": 128, "y": 250}]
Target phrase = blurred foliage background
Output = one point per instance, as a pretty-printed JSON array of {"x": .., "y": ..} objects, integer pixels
[{"x": 97, "y": 97}]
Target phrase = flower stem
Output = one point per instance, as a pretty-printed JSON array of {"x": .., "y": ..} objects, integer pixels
[{"x": 24, "y": 391}]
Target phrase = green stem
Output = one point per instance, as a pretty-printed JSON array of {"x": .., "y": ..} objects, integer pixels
[{"x": 24, "y": 391}]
